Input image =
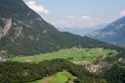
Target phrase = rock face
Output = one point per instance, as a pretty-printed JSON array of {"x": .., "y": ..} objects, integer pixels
[
  {"x": 6, "y": 28},
  {"x": 99, "y": 68},
  {"x": 114, "y": 33},
  {"x": 2, "y": 59},
  {"x": 103, "y": 65}
]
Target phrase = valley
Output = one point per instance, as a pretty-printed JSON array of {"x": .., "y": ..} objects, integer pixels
[
  {"x": 80, "y": 56},
  {"x": 33, "y": 50}
]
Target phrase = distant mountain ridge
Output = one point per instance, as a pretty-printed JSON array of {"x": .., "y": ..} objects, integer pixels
[
  {"x": 24, "y": 32},
  {"x": 114, "y": 33},
  {"x": 82, "y": 31}
]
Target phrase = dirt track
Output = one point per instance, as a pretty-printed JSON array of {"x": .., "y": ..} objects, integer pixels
[{"x": 46, "y": 80}]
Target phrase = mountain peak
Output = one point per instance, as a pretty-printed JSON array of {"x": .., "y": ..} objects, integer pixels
[{"x": 113, "y": 33}]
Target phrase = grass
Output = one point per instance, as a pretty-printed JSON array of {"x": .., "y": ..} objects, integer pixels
[
  {"x": 75, "y": 55},
  {"x": 37, "y": 81},
  {"x": 60, "y": 77}
]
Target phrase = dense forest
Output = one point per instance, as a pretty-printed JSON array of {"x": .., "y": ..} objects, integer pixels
[
  {"x": 120, "y": 57},
  {"x": 116, "y": 74},
  {"x": 51, "y": 43},
  {"x": 15, "y": 72}
]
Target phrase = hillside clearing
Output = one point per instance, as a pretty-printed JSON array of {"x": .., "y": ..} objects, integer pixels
[{"x": 60, "y": 77}]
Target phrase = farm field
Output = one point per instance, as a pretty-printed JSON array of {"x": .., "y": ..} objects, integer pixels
[
  {"x": 60, "y": 77},
  {"x": 75, "y": 55}
]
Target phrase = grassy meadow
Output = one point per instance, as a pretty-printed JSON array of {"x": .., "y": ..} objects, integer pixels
[
  {"x": 75, "y": 55},
  {"x": 60, "y": 77}
]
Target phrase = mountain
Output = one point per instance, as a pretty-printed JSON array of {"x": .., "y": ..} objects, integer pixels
[
  {"x": 82, "y": 31},
  {"x": 24, "y": 32},
  {"x": 114, "y": 33}
]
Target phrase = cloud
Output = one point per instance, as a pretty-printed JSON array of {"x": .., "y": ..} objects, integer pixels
[
  {"x": 85, "y": 18},
  {"x": 80, "y": 21},
  {"x": 73, "y": 22},
  {"x": 37, "y": 8},
  {"x": 122, "y": 13}
]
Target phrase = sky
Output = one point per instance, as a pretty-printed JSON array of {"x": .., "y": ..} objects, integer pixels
[{"x": 78, "y": 13}]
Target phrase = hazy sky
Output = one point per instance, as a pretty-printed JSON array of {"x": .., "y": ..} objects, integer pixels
[{"x": 78, "y": 13}]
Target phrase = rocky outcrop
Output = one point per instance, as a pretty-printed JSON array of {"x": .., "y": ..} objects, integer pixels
[
  {"x": 2, "y": 59},
  {"x": 104, "y": 65},
  {"x": 100, "y": 68},
  {"x": 6, "y": 28}
]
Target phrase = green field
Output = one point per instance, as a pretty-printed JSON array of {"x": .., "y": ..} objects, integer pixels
[
  {"x": 61, "y": 77},
  {"x": 75, "y": 55}
]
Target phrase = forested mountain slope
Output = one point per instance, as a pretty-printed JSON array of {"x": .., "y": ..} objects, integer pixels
[
  {"x": 114, "y": 33},
  {"x": 24, "y": 32}
]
